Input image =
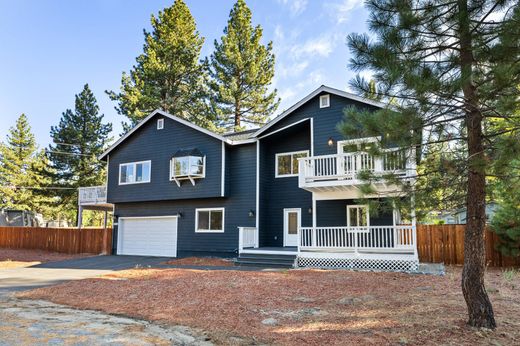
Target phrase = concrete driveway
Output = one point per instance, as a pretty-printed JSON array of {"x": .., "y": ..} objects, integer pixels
[
  {"x": 51, "y": 273},
  {"x": 37, "y": 322}
]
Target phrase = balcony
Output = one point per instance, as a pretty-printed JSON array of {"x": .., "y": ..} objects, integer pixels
[
  {"x": 340, "y": 172},
  {"x": 93, "y": 196}
]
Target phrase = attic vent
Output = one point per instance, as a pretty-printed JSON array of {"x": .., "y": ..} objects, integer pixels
[
  {"x": 160, "y": 124},
  {"x": 324, "y": 101}
]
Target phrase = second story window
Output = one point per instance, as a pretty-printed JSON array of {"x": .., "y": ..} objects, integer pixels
[
  {"x": 187, "y": 164},
  {"x": 286, "y": 164},
  {"x": 135, "y": 172}
]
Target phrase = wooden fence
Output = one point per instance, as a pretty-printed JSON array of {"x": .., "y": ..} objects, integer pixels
[
  {"x": 445, "y": 243},
  {"x": 64, "y": 240}
]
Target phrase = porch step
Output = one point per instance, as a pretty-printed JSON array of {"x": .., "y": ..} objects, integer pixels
[{"x": 266, "y": 261}]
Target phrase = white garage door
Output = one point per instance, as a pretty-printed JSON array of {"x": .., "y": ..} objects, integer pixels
[{"x": 147, "y": 236}]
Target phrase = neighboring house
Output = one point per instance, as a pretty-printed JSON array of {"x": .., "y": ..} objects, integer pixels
[
  {"x": 282, "y": 192},
  {"x": 20, "y": 218},
  {"x": 459, "y": 216}
]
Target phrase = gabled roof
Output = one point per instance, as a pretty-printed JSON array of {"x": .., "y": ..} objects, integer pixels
[
  {"x": 248, "y": 136},
  {"x": 167, "y": 115},
  {"x": 316, "y": 92}
]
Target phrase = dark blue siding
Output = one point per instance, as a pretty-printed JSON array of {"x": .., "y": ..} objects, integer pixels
[
  {"x": 148, "y": 143},
  {"x": 279, "y": 193},
  {"x": 241, "y": 180},
  {"x": 324, "y": 120}
]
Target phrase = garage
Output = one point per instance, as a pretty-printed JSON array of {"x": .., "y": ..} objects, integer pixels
[{"x": 147, "y": 236}]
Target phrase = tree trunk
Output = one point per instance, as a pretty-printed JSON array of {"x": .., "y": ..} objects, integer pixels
[{"x": 480, "y": 310}]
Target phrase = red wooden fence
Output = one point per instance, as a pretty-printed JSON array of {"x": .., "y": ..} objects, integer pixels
[
  {"x": 65, "y": 240},
  {"x": 445, "y": 243}
]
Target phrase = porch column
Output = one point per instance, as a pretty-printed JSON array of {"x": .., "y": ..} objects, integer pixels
[
  {"x": 414, "y": 225},
  {"x": 105, "y": 219},
  {"x": 80, "y": 216},
  {"x": 313, "y": 211}
]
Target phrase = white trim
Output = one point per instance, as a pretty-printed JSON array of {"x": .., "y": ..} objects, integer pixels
[
  {"x": 286, "y": 212},
  {"x": 276, "y": 175},
  {"x": 160, "y": 124},
  {"x": 257, "y": 212},
  {"x": 324, "y": 98},
  {"x": 312, "y": 137},
  {"x": 223, "y": 170},
  {"x": 190, "y": 177},
  {"x": 135, "y": 172},
  {"x": 357, "y": 206},
  {"x": 340, "y": 144},
  {"x": 285, "y": 127},
  {"x": 222, "y": 209},
  {"x": 321, "y": 89},
  {"x": 167, "y": 115}
]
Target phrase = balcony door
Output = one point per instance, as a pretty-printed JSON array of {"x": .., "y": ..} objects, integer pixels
[
  {"x": 362, "y": 161},
  {"x": 358, "y": 216},
  {"x": 291, "y": 225}
]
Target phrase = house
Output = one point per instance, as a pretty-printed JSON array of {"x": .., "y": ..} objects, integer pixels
[
  {"x": 281, "y": 194},
  {"x": 459, "y": 216}
]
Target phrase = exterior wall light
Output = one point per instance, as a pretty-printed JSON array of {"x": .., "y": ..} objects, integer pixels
[
  {"x": 309, "y": 210},
  {"x": 251, "y": 213},
  {"x": 330, "y": 142}
]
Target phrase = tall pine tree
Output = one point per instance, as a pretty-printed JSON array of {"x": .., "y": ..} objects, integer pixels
[
  {"x": 78, "y": 140},
  {"x": 453, "y": 70},
  {"x": 21, "y": 179},
  {"x": 168, "y": 74},
  {"x": 242, "y": 69}
]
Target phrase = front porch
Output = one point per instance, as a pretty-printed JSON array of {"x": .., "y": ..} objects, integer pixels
[{"x": 378, "y": 248}]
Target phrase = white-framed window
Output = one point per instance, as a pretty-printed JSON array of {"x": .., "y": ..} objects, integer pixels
[
  {"x": 358, "y": 215},
  {"x": 324, "y": 101},
  {"x": 286, "y": 164},
  {"x": 187, "y": 166},
  {"x": 160, "y": 124},
  {"x": 135, "y": 172},
  {"x": 209, "y": 220}
]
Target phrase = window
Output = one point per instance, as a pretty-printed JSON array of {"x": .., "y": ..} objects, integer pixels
[
  {"x": 134, "y": 172},
  {"x": 209, "y": 220},
  {"x": 160, "y": 124},
  {"x": 287, "y": 163},
  {"x": 358, "y": 216},
  {"x": 187, "y": 164},
  {"x": 324, "y": 101}
]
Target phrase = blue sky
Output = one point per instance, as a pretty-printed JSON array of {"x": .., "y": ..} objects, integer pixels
[{"x": 50, "y": 49}]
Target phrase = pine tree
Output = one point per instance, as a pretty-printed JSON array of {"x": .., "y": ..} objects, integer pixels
[
  {"x": 242, "y": 69},
  {"x": 453, "y": 69},
  {"x": 168, "y": 74},
  {"x": 79, "y": 139},
  {"x": 21, "y": 180}
]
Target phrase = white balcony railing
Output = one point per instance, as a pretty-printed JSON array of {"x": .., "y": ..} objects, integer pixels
[
  {"x": 247, "y": 238},
  {"x": 347, "y": 167},
  {"x": 384, "y": 238},
  {"x": 92, "y": 195}
]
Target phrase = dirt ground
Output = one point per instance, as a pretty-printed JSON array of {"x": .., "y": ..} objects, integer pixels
[
  {"x": 297, "y": 307},
  {"x": 201, "y": 261},
  {"x": 15, "y": 258}
]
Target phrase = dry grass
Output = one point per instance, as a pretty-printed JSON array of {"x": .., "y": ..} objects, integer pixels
[
  {"x": 16, "y": 258},
  {"x": 201, "y": 261},
  {"x": 310, "y": 306}
]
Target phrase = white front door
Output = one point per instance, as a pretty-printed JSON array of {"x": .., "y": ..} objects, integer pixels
[{"x": 291, "y": 225}]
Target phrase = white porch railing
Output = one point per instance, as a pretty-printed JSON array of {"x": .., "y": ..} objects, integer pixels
[
  {"x": 385, "y": 238},
  {"x": 92, "y": 195},
  {"x": 347, "y": 166},
  {"x": 247, "y": 238}
]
